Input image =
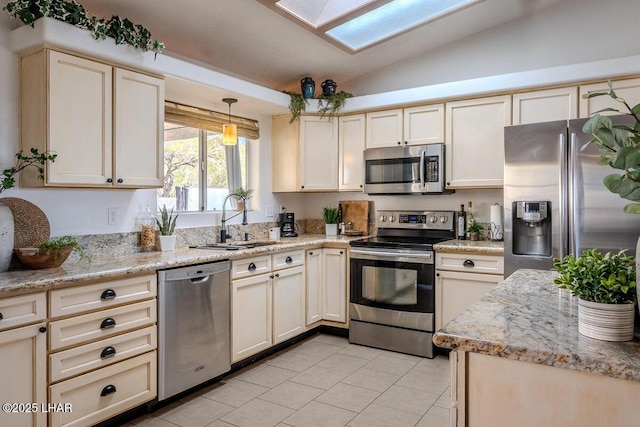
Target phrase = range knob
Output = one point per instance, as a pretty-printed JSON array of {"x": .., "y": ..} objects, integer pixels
[
  {"x": 444, "y": 219},
  {"x": 392, "y": 218},
  {"x": 383, "y": 218},
  {"x": 433, "y": 219}
]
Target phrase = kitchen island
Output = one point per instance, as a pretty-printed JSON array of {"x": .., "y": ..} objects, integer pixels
[{"x": 518, "y": 359}]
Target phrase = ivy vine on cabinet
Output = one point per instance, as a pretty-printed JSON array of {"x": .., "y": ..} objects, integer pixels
[{"x": 104, "y": 123}]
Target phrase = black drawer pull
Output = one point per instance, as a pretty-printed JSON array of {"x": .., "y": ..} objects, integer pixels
[
  {"x": 468, "y": 263},
  {"x": 108, "y": 294},
  {"x": 288, "y": 260},
  {"x": 1, "y": 316},
  {"x": 110, "y": 389},
  {"x": 108, "y": 352},
  {"x": 107, "y": 323},
  {"x": 42, "y": 329},
  {"x": 252, "y": 267}
]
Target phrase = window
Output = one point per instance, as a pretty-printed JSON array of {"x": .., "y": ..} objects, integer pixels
[{"x": 199, "y": 171}]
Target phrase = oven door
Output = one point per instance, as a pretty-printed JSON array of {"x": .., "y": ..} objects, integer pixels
[{"x": 393, "y": 280}]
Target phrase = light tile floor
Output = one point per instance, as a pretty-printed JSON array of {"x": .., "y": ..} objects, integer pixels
[{"x": 323, "y": 381}]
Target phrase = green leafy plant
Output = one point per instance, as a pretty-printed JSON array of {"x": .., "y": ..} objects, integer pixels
[
  {"x": 63, "y": 242},
  {"x": 330, "y": 105},
  {"x": 475, "y": 228},
  {"x": 619, "y": 147},
  {"x": 330, "y": 215},
  {"x": 297, "y": 105},
  {"x": 608, "y": 278},
  {"x": 168, "y": 224},
  {"x": 242, "y": 194},
  {"x": 121, "y": 30},
  {"x": 35, "y": 159}
]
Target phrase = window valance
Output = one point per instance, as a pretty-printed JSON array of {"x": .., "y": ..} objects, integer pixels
[{"x": 210, "y": 120}]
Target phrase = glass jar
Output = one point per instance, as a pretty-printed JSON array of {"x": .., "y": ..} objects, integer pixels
[{"x": 147, "y": 230}]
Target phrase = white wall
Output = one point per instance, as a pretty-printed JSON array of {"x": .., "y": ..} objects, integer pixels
[{"x": 570, "y": 32}]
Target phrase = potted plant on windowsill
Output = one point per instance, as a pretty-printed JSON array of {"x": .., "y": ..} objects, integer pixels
[
  {"x": 606, "y": 289},
  {"x": 241, "y": 195},
  {"x": 330, "y": 216},
  {"x": 166, "y": 227}
]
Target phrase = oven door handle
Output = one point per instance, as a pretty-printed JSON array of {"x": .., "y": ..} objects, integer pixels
[{"x": 422, "y": 257}]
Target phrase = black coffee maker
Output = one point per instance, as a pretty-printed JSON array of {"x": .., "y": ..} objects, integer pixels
[{"x": 286, "y": 220}]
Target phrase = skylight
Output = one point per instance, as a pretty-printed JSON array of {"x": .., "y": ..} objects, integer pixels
[{"x": 358, "y": 24}]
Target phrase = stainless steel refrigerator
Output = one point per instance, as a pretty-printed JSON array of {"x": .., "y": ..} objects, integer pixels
[{"x": 554, "y": 200}]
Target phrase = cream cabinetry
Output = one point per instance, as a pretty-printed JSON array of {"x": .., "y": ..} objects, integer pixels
[
  {"x": 326, "y": 285},
  {"x": 628, "y": 89},
  {"x": 104, "y": 123},
  {"x": 475, "y": 142},
  {"x": 409, "y": 126},
  {"x": 267, "y": 302},
  {"x": 102, "y": 349},
  {"x": 461, "y": 280},
  {"x": 318, "y": 163},
  {"x": 351, "y": 140},
  {"x": 23, "y": 359},
  {"x": 545, "y": 105}
]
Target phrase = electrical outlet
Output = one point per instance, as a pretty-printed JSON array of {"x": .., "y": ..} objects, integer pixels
[
  {"x": 112, "y": 216},
  {"x": 268, "y": 211}
]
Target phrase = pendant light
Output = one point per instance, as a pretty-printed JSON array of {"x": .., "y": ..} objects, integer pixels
[{"x": 229, "y": 131}]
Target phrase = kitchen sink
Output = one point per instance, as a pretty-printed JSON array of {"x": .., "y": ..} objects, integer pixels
[{"x": 233, "y": 246}]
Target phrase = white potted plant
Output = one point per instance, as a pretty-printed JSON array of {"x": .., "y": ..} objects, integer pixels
[
  {"x": 330, "y": 216},
  {"x": 606, "y": 289},
  {"x": 166, "y": 227}
]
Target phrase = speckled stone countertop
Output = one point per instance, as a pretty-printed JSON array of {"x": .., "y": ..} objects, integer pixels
[
  {"x": 481, "y": 247},
  {"x": 528, "y": 318},
  {"x": 99, "y": 268}
]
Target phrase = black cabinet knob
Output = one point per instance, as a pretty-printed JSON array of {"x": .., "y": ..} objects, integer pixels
[
  {"x": 399, "y": 143},
  {"x": 42, "y": 329},
  {"x": 108, "y": 294},
  {"x": 110, "y": 389},
  {"x": 406, "y": 142},
  {"x": 252, "y": 267},
  {"x": 108, "y": 352},
  {"x": 120, "y": 181},
  {"x": 302, "y": 186},
  {"x": 468, "y": 263},
  {"x": 108, "y": 323},
  {"x": 277, "y": 274},
  {"x": 341, "y": 252},
  {"x": 288, "y": 260},
  {"x": 109, "y": 180},
  {"x": 1, "y": 316},
  {"x": 437, "y": 274},
  {"x": 271, "y": 276},
  {"x": 310, "y": 253}
]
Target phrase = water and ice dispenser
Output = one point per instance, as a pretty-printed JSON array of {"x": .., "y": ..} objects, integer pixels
[{"x": 532, "y": 228}]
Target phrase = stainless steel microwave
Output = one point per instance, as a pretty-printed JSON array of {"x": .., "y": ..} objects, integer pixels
[{"x": 417, "y": 169}]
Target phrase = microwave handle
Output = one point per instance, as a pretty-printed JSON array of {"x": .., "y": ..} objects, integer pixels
[{"x": 422, "y": 160}]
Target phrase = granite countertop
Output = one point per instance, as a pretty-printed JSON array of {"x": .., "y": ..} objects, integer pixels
[
  {"x": 480, "y": 247},
  {"x": 528, "y": 318},
  {"x": 22, "y": 281}
]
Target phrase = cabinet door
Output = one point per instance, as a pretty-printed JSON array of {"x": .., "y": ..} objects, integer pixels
[
  {"x": 628, "y": 89},
  {"x": 351, "y": 135},
  {"x": 334, "y": 299},
  {"x": 139, "y": 130},
  {"x": 475, "y": 142},
  {"x": 424, "y": 124},
  {"x": 314, "y": 285},
  {"x": 455, "y": 292},
  {"x": 384, "y": 128},
  {"x": 23, "y": 369},
  {"x": 288, "y": 303},
  {"x": 251, "y": 305},
  {"x": 80, "y": 112},
  {"x": 545, "y": 105},
  {"x": 318, "y": 154},
  {"x": 284, "y": 155}
]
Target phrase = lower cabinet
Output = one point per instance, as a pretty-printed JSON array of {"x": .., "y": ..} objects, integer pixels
[
  {"x": 326, "y": 285},
  {"x": 461, "y": 280}
]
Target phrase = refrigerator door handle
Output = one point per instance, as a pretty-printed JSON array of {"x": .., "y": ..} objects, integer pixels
[
  {"x": 571, "y": 196},
  {"x": 564, "y": 192}
]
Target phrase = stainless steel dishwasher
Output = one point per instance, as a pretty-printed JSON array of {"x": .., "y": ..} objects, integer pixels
[{"x": 193, "y": 323}]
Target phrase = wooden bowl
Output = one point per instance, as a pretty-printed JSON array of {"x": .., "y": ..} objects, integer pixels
[{"x": 37, "y": 258}]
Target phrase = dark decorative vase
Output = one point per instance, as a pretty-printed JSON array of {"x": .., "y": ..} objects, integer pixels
[
  {"x": 308, "y": 87},
  {"x": 328, "y": 87}
]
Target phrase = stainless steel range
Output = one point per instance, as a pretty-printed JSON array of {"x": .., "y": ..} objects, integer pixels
[{"x": 392, "y": 299}]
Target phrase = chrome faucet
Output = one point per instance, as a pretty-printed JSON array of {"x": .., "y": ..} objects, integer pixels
[{"x": 223, "y": 229}]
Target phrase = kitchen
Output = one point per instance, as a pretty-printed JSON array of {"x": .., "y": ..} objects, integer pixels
[{"x": 77, "y": 217}]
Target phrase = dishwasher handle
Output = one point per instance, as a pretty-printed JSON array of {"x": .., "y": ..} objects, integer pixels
[{"x": 202, "y": 279}]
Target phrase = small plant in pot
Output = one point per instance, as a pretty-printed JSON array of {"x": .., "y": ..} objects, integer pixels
[
  {"x": 51, "y": 253},
  {"x": 474, "y": 230},
  {"x": 166, "y": 226},
  {"x": 605, "y": 285},
  {"x": 330, "y": 216},
  {"x": 241, "y": 195}
]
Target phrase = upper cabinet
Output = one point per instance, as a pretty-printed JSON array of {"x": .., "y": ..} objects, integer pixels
[
  {"x": 545, "y": 105},
  {"x": 409, "y": 126},
  {"x": 628, "y": 89},
  {"x": 318, "y": 162},
  {"x": 351, "y": 136},
  {"x": 104, "y": 123},
  {"x": 475, "y": 142}
]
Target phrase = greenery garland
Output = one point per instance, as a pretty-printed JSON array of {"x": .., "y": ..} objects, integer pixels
[
  {"x": 327, "y": 105},
  {"x": 120, "y": 29}
]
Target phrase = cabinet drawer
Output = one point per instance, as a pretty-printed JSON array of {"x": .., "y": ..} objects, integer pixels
[
  {"x": 470, "y": 263},
  {"x": 99, "y": 296},
  {"x": 287, "y": 259},
  {"x": 22, "y": 310},
  {"x": 125, "y": 384},
  {"x": 250, "y": 266},
  {"x": 78, "y": 360},
  {"x": 102, "y": 324}
]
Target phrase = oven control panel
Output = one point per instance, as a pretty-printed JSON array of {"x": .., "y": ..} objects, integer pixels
[{"x": 439, "y": 220}]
